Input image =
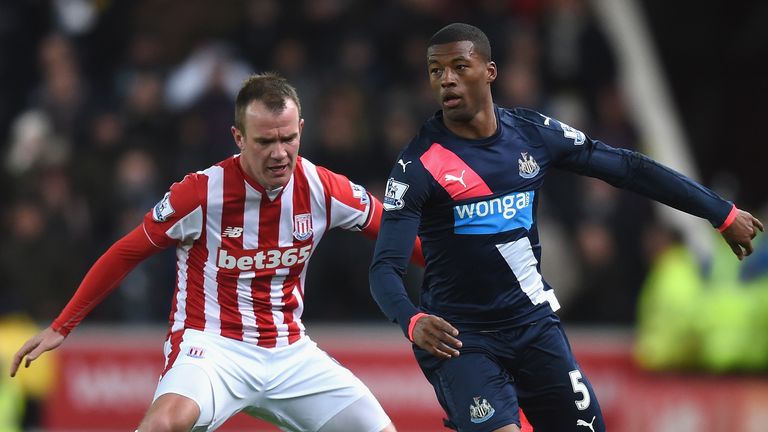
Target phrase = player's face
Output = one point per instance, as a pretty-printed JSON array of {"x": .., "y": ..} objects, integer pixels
[
  {"x": 270, "y": 143},
  {"x": 460, "y": 79}
]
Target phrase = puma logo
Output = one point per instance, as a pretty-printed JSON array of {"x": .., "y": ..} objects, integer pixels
[
  {"x": 460, "y": 179},
  {"x": 403, "y": 164},
  {"x": 584, "y": 423}
]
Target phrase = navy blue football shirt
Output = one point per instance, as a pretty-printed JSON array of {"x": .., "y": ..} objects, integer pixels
[{"x": 473, "y": 203}]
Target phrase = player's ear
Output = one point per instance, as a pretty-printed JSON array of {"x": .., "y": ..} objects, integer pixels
[
  {"x": 491, "y": 71},
  {"x": 238, "y": 137}
]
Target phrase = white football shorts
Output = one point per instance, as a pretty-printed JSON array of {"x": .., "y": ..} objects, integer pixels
[{"x": 298, "y": 387}]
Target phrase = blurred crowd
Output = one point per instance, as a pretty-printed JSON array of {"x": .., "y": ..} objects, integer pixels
[{"x": 106, "y": 103}]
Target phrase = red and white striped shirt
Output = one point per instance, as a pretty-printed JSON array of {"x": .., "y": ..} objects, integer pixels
[{"x": 242, "y": 252}]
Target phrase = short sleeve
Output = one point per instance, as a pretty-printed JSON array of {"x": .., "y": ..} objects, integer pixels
[
  {"x": 349, "y": 203},
  {"x": 178, "y": 216}
]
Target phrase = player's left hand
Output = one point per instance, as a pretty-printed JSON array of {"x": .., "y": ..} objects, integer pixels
[{"x": 740, "y": 233}]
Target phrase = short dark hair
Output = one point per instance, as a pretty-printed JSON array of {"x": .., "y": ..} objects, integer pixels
[
  {"x": 270, "y": 88},
  {"x": 457, "y": 32}
]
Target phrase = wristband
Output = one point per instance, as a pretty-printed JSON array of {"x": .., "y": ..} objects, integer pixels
[
  {"x": 412, "y": 324},
  {"x": 729, "y": 220}
]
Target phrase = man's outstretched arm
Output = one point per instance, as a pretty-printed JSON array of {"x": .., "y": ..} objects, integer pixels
[
  {"x": 638, "y": 173},
  {"x": 103, "y": 277}
]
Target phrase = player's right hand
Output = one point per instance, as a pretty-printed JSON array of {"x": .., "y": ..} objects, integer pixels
[
  {"x": 436, "y": 336},
  {"x": 46, "y": 340}
]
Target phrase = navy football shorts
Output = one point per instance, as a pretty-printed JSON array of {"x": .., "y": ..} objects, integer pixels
[{"x": 530, "y": 366}]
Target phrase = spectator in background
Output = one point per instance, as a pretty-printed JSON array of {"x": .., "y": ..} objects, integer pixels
[
  {"x": 345, "y": 137},
  {"x": 93, "y": 173},
  {"x": 63, "y": 95},
  {"x": 146, "y": 120},
  {"x": 576, "y": 58},
  {"x": 667, "y": 312},
  {"x": 205, "y": 85},
  {"x": 702, "y": 316},
  {"x": 11, "y": 404},
  {"x": 32, "y": 260},
  {"x": 609, "y": 228},
  {"x": 192, "y": 137},
  {"x": 261, "y": 31},
  {"x": 289, "y": 56},
  {"x": 138, "y": 183},
  {"x": 34, "y": 144},
  {"x": 344, "y": 142}
]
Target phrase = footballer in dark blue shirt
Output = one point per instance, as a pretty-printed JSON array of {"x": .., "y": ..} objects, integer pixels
[{"x": 485, "y": 334}]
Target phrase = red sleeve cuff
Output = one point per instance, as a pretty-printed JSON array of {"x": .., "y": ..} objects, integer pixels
[
  {"x": 60, "y": 329},
  {"x": 412, "y": 324},
  {"x": 729, "y": 220}
]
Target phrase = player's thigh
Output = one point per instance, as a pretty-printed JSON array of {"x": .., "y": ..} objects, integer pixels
[
  {"x": 313, "y": 388},
  {"x": 356, "y": 418},
  {"x": 184, "y": 395},
  {"x": 475, "y": 391},
  {"x": 553, "y": 390},
  {"x": 202, "y": 368}
]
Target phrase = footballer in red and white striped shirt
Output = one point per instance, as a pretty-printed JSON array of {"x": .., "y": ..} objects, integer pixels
[
  {"x": 244, "y": 230},
  {"x": 242, "y": 251}
]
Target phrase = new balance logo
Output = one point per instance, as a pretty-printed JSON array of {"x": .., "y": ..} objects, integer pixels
[
  {"x": 403, "y": 164},
  {"x": 232, "y": 232},
  {"x": 581, "y": 422},
  {"x": 460, "y": 179}
]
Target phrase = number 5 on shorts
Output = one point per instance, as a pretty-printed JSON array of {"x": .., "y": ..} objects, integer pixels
[{"x": 579, "y": 387}]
